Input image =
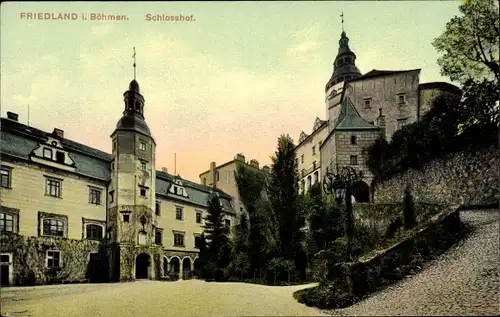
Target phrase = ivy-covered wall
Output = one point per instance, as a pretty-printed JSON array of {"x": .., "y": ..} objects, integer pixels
[
  {"x": 466, "y": 178},
  {"x": 377, "y": 218},
  {"x": 29, "y": 259}
]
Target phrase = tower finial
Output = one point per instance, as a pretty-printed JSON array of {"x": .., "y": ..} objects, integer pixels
[
  {"x": 342, "y": 16},
  {"x": 133, "y": 56}
]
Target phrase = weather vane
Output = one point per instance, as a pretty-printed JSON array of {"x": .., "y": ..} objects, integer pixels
[
  {"x": 133, "y": 56},
  {"x": 342, "y": 16}
]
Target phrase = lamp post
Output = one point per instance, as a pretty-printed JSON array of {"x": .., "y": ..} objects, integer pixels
[{"x": 340, "y": 186}]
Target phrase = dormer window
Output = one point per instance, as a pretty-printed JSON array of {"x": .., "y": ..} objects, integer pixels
[
  {"x": 181, "y": 191},
  {"x": 143, "y": 146},
  {"x": 47, "y": 153},
  {"x": 60, "y": 157}
]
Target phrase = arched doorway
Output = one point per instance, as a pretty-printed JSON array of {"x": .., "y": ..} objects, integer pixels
[
  {"x": 174, "y": 266},
  {"x": 186, "y": 267},
  {"x": 142, "y": 266},
  {"x": 361, "y": 192},
  {"x": 197, "y": 265}
]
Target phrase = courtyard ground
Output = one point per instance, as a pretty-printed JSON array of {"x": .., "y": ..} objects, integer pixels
[
  {"x": 463, "y": 281},
  {"x": 154, "y": 298}
]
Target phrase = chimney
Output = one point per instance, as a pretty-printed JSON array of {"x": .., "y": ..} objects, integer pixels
[
  {"x": 213, "y": 174},
  {"x": 254, "y": 163},
  {"x": 12, "y": 116},
  {"x": 266, "y": 169},
  {"x": 164, "y": 170},
  {"x": 240, "y": 157},
  {"x": 58, "y": 133}
]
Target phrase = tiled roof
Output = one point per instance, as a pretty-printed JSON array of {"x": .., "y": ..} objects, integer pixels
[
  {"x": 19, "y": 140},
  {"x": 349, "y": 118}
]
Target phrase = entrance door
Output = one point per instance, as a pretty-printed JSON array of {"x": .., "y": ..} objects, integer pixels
[
  {"x": 142, "y": 264},
  {"x": 5, "y": 269}
]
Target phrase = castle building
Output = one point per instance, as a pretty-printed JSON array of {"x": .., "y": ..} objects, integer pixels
[
  {"x": 224, "y": 178},
  {"x": 70, "y": 212},
  {"x": 361, "y": 108}
]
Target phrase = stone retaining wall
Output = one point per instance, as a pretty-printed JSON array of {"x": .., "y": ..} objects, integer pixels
[
  {"x": 466, "y": 178},
  {"x": 377, "y": 269}
]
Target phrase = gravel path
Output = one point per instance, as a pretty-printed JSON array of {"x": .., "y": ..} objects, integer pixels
[
  {"x": 154, "y": 298},
  {"x": 463, "y": 281}
]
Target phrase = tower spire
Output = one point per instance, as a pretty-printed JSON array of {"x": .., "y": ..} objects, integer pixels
[
  {"x": 342, "y": 16},
  {"x": 133, "y": 56}
]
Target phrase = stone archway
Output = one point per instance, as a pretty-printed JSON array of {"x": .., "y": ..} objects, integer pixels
[
  {"x": 142, "y": 266},
  {"x": 361, "y": 192},
  {"x": 197, "y": 265},
  {"x": 186, "y": 267},
  {"x": 174, "y": 265}
]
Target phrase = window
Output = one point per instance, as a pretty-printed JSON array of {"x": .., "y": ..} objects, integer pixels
[
  {"x": 175, "y": 190},
  {"x": 302, "y": 158},
  {"x": 178, "y": 239},
  {"x": 143, "y": 191},
  {"x": 314, "y": 165},
  {"x": 314, "y": 150},
  {"x": 6, "y": 222},
  {"x": 368, "y": 102},
  {"x": 143, "y": 166},
  {"x": 401, "y": 99},
  {"x": 143, "y": 146},
  {"x": 111, "y": 196},
  {"x": 53, "y": 187},
  {"x": 181, "y": 191},
  {"x": 354, "y": 160},
  {"x": 157, "y": 208},
  {"x": 60, "y": 157},
  {"x": 178, "y": 213},
  {"x": 53, "y": 259},
  {"x": 198, "y": 217},
  {"x": 53, "y": 227},
  {"x": 401, "y": 123},
  {"x": 126, "y": 218},
  {"x": 47, "y": 153},
  {"x": 5, "y": 177},
  {"x": 158, "y": 236},
  {"x": 197, "y": 241},
  {"x": 227, "y": 223},
  {"x": 354, "y": 140},
  {"x": 217, "y": 176},
  {"x": 94, "y": 196},
  {"x": 93, "y": 231}
]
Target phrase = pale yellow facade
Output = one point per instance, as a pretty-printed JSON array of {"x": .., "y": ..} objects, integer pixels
[
  {"x": 28, "y": 195},
  {"x": 308, "y": 155}
]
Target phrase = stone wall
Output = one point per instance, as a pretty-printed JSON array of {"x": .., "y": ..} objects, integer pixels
[
  {"x": 376, "y": 270},
  {"x": 29, "y": 258},
  {"x": 466, "y": 178},
  {"x": 377, "y": 218}
]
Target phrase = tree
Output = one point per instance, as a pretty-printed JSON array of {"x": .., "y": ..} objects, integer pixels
[
  {"x": 470, "y": 43},
  {"x": 284, "y": 200},
  {"x": 217, "y": 233}
]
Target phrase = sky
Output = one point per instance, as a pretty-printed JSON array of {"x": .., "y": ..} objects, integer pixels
[{"x": 232, "y": 80}]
